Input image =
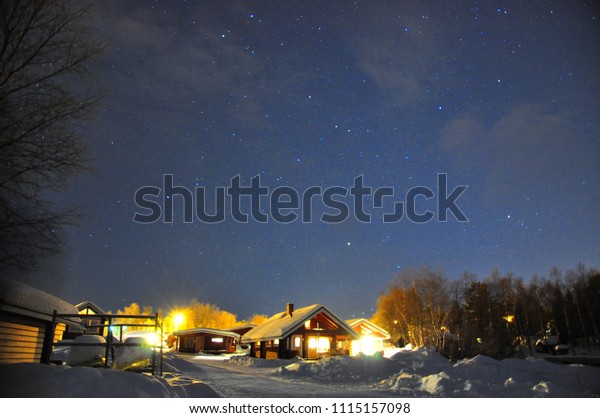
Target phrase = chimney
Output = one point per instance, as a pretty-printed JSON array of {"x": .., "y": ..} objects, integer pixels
[{"x": 289, "y": 309}]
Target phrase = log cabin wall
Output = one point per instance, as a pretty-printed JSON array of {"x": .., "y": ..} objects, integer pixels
[{"x": 22, "y": 338}]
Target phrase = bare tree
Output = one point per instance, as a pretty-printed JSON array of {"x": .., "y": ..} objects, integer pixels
[
  {"x": 415, "y": 307},
  {"x": 45, "y": 49}
]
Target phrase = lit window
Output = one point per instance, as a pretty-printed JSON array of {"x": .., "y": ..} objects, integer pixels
[
  {"x": 297, "y": 342},
  {"x": 307, "y": 324},
  {"x": 217, "y": 340},
  {"x": 367, "y": 345},
  {"x": 322, "y": 344}
]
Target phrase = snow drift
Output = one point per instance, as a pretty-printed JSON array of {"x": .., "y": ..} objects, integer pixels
[
  {"x": 423, "y": 372},
  {"x": 28, "y": 380},
  {"x": 246, "y": 361}
]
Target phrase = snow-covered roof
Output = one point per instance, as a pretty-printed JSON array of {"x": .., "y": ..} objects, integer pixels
[
  {"x": 367, "y": 324},
  {"x": 211, "y": 331},
  {"x": 241, "y": 327},
  {"x": 25, "y": 300},
  {"x": 282, "y": 325},
  {"x": 89, "y": 305}
]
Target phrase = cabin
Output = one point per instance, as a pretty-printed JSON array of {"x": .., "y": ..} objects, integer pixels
[
  {"x": 310, "y": 332},
  {"x": 95, "y": 324},
  {"x": 372, "y": 337},
  {"x": 206, "y": 340},
  {"x": 90, "y": 308},
  {"x": 28, "y": 327}
]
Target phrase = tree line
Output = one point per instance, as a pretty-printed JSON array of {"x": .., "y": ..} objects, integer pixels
[
  {"x": 499, "y": 316},
  {"x": 194, "y": 314}
]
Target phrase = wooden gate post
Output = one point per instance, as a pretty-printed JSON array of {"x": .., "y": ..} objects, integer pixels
[{"x": 48, "y": 340}]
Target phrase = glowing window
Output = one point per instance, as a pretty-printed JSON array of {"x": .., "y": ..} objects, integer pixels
[
  {"x": 307, "y": 324},
  {"x": 217, "y": 340},
  {"x": 369, "y": 345},
  {"x": 322, "y": 344},
  {"x": 297, "y": 342}
]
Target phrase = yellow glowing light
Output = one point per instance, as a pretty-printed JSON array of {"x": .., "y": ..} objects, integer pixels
[
  {"x": 178, "y": 320},
  {"x": 149, "y": 338},
  {"x": 323, "y": 345},
  {"x": 152, "y": 339},
  {"x": 367, "y": 344},
  {"x": 509, "y": 318}
]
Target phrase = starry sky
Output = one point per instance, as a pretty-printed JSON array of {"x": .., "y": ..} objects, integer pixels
[{"x": 504, "y": 97}]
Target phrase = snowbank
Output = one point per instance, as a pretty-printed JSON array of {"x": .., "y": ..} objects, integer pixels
[
  {"x": 423, "y": 372},
  {"x": 486, "y": 377},
  {"x": 49, "y": 381},
  {"x": 342, "y": 369},
  {"x": 414, "y": 373},
  {"x": 246, "y": 361}
]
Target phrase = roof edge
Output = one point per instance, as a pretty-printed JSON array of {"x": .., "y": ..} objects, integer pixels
[{"x": 206, "y": 331}]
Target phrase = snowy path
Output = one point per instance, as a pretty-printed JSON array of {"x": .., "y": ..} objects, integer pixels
[{"x": 232, "y": 381}]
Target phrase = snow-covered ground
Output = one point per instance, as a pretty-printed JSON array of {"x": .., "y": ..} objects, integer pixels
[
  {"x": 407, "y": 373},
  {"x": 424, "y": 372},
  {"x": 47, "y": 381}
]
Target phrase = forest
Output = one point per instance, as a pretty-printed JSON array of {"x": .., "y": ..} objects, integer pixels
[{"x": 500, "y": 316}]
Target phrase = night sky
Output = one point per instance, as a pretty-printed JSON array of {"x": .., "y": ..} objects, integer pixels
[{"x": 504, "y": 97}]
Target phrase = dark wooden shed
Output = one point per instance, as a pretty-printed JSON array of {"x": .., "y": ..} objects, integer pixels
[{"x": 206, "y": 340}]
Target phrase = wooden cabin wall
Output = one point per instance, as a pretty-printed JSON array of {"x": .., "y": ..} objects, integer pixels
[{"x": 22, "y": 339}]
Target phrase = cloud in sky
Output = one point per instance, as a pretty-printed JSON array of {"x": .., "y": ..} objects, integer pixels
[
  {"x": 167, "y": 58},
  {"x": 529, "y": 150}
]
